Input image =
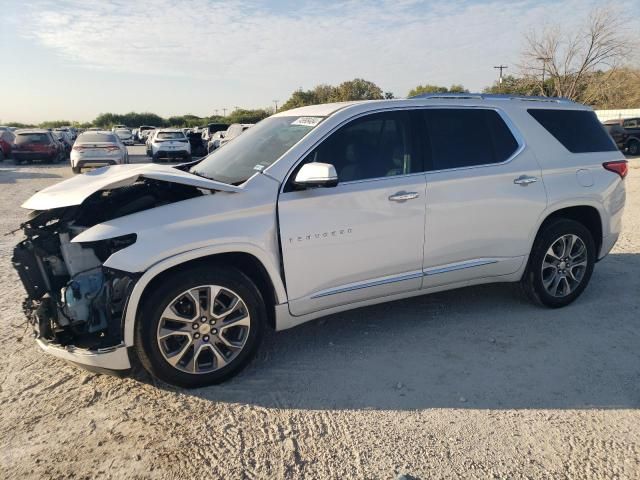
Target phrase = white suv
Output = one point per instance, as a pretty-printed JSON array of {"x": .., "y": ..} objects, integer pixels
[
  {"x": 313, "y": 211},
  {"x": 168, "y": 144}
]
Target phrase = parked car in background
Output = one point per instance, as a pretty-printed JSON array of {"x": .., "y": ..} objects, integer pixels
[
  {"x": 115, "y": 127},
  {"x": 143, "y": 132},
  {"x": 214, "y": 142},
  {"x": 234, "y": 131},
  {"x": 37, "y": 144},
  {"x": 198, "y": 147},
  {"x": 7, "y": 137},
  {"x": 210, "y": 129},
  {"x": 125, "y": 135},
  {"x": 64, "y": 138},
  {"x": 318, "y": 210},
  {"x": 170, "y": 143},
  {"x": 626, "y": 134},
  {"x": 97, "y": 149},
  {"x": 149, "y": 139}
]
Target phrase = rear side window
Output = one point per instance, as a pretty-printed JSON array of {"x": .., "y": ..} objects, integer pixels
[
  {"x": 578, "y": 130},
  {"x": 461, "y": 137}
]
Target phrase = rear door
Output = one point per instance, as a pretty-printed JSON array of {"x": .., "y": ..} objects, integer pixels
[
  {"x": 364, "y": 238},
  {"x": 484, "y": 196}
]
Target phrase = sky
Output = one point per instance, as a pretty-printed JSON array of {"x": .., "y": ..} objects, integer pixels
[{"x": 74, "y": 59}]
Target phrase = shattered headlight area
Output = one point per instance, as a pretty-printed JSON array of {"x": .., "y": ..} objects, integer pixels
[{"x": 72, "y": 299}]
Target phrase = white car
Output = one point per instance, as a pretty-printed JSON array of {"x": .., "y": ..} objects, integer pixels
[
  {"x": 169, "y": 144},
  {"x": 234, "y": 131},
  {"x": 314, "y": 211},
  {"x": 125, "y": 135},
  {"x": 97, "y": 149}
]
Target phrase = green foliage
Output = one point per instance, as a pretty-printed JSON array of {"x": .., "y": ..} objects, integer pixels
[
  {"x": 356, "y": 89},
  {"x": 20, "y": 125},
  {"x": 512, "y": 85},
  {"x": 427, "y": 88},
  {"x": 246, "y": 116},
  {"x": 55, "y": 124}
]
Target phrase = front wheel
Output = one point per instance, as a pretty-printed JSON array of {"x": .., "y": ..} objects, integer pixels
[
  {"x": 200, "y": 327},
  {"x": 633, "y": 148},
  {"x": 561, "y": 263}
]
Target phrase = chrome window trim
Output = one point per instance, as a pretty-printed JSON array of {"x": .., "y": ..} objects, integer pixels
[{"x": 510, "y": 125}]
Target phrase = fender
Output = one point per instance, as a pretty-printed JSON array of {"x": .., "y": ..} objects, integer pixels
[{"x": 158, "y": 268}]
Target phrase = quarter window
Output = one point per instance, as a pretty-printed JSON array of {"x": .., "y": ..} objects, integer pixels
[
  {"x": 461, "y": 137},
  {"x": 578, "y": 130},
  {"x": 375, "y": 146}
]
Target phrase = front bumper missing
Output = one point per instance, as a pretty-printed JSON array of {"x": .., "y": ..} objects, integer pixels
[{"x": 113, "y": 359}]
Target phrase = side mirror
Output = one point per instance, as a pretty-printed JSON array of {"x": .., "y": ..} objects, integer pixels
[{"x": 316, "y": 175}]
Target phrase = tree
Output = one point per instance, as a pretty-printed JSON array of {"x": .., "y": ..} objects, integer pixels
[
  {"x": 246, "y": 116},
  {"x": 427, "y": 88},
  {"x": 357, "y": 89},
  {"x": 571, "y": 58},
  {"x": 512, "y": 85}
]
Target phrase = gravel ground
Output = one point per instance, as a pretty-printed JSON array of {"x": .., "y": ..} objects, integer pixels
[{"x": 474, "y": 383}]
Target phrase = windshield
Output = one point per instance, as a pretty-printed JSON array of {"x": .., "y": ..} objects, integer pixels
[
  {"x": 95, "y": 138},
  {"x": 255, "y": 150},
  {"x": 32, "y": 138}
]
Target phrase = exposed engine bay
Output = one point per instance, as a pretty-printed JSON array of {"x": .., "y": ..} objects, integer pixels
[{"x": 72, "y": 299}]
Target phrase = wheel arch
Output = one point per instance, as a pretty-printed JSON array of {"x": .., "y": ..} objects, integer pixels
[
  {"x": 266, "y": 279},
  {"x": 587, "y": 215}
]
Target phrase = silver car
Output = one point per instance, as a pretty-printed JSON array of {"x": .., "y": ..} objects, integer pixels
[
  {"x": 97, "y": 149},
  {"x": 314, "y": 211}
]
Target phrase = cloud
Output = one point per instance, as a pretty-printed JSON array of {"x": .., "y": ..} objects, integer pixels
[{"x": 266, "y": 47}]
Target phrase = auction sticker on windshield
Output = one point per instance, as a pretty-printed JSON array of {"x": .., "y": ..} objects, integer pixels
[{"x": 307, "y": 121}]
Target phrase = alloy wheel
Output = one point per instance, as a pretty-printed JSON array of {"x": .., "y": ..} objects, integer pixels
[
  {"x": 564, "y": 265},
  {"x": 203, "y": 329}
]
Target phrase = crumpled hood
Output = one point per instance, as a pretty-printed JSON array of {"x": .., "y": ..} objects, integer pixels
[{"x": 75, "y": 190}]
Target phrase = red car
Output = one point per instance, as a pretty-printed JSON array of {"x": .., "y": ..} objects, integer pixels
[
  {"x": 37, "y": 144},
  {"x": 6, "y": 141}
]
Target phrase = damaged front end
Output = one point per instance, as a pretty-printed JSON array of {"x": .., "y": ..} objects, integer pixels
[{"x": 74, "y": 303}]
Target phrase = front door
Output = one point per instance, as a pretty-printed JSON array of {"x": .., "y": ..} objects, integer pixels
[{"x": 363, "y": 238}]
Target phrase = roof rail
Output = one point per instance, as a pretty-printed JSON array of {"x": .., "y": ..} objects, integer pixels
[{"x": 491, "y": 96}]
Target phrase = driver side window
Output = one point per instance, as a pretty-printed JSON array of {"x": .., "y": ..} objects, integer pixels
[{"x": 374, "y": 146}]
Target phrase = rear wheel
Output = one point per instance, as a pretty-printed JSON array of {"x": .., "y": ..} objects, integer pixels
[
  {"x": 561, "y": 263},
  {"x": 75, "y": 169},
  {"x": 200, "y": 327},
  {"x": 633, "y": 147}
]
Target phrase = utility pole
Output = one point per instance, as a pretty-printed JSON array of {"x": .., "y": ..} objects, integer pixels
[
  {"x": 501, "y": 68},
  {"x": 275, "y": 102},
  {"x": 224, "y": 112},
  {"x": 544, "y": 61}
]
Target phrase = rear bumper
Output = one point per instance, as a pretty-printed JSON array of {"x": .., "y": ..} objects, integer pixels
[
  {"x": 113, "y": 359},
  {"x": 95, "y": 162},
  {"x": 18, "y": 155},
  {"x": 172, "y": 153}
]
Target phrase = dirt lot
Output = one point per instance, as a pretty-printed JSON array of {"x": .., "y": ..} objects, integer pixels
[{"x": 475, "y": 383}]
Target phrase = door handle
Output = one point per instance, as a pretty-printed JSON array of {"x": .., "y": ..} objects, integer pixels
[
  {"x": 525, "y": 180},
  {"x": 403, "y": 196}
]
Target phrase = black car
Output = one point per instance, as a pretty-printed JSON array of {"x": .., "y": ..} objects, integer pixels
[{"x": 626, "y": 134}]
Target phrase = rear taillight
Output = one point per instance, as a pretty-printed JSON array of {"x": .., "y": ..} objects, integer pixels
[
  {"x": 621, "y": 167},
  {"x": 78, "y": 148}
]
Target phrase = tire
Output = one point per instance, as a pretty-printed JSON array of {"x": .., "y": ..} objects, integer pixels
[
  {"x": 155, "y": 158},
  {"x": 575, "y": 278},
  {"x": 153, "y": 352},
  {"x": 75, "y": 170},
  {"x": 633, "y": 148}
]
